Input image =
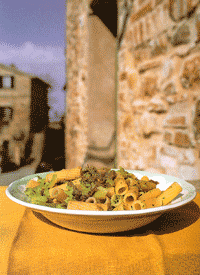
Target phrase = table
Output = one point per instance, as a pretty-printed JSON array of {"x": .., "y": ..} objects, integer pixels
[{"x": 30, "y": 244}]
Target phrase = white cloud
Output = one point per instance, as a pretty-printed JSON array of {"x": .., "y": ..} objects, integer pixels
[
  {"x": 46, "y": 62},
  {"x": 29, "y": 52}
]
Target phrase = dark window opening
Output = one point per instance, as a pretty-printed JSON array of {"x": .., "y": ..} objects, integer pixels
[
  {"x": 7, "y": 82},
  {"x": 6, "y": 114}
]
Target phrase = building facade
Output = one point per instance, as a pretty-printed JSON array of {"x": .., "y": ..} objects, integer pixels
[{"x": 23, "y": 109}]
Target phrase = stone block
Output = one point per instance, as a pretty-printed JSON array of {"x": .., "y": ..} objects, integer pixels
[
  {"x": 141, "y": 32},
  {"x": 148, "y": 124},
  {"x": 132, "y": 80},
  {"x": 123, "y": 76},
  {"x": 191, "y": 5},
  {"x": 135, "y": 35},
  {"x": 142, "y": 12},
  {"x": 167, "y": 69},
  {"x": 170, "y": 89},
  {"x": 129, "y": 36},
  {"x": 191, "y": 72},
  {"x": 181, "y": 35},
  {"x": 149, "y": 86},
  {"x": 157, "y": 2},
  {"x": 149, "y": 65},
  {"x": 141, "y": 55},
  {"x": 157, "y": 105},
  {"x": 139, "y": 106},
  {"x": 182, "y": 139},
  {"x": 151, "y": 153},
  {"x": 168, "y": 137},
  {"x": 168, "y": 162},
  {"x": 183, "y": 155},
  {"x": 176, "y": 121},
  {"x": 197, "y": 26},
  {"x": 157, "y": 49},
  {"x": 182, "y": 8}
]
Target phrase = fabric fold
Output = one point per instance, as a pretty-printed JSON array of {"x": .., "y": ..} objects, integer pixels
[
  {"x": 33, "y": 245},
  {"x": 44, "y": 248},
  {"x": 10, "y": 218}
]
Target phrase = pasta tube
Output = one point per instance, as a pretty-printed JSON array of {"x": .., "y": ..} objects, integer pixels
[
  {"x": 147, "y": 185},
  {"x": 127, "y": 206},
  {"x": 116, "y": 200},
  {"x": 121, "y": 187},
  {"x": 119, "y": 175},
  {"x": 77, "y": 183},
  {"x": 111, "y": 192},
  {"x": 154, "y": 193},
  {"x": 91, "y": 200},
  {"x": 138, "y": 205},
  {"x": 120, "y": 207},
  {"x": 150, "y": 202},
  {"x": 58, "y": 194},
  {"x": 32, "y": 184},
  {"x": 134, "y": 189},
  {"x": 102, "y": 206},
  {"x": 64, "y": 186},
  {"x": 101, "y": 193},
  {"x": 130, "y": 197},
  {"x": 145, "y": 178},
  {"x": 169, "y": 194},
  {"x": 65, "y": 174},
  {"x": 80, "y": 205},
  {"x": 106, "y": 202},
  {"x": 131, "y": 181}
]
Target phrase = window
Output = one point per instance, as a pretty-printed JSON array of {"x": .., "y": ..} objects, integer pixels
[
  {"x": 6, "y": 114},
  {"x": 7, "y": 82}
]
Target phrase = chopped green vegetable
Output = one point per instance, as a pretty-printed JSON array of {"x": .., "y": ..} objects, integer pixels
[
  {"x": 116, "y": 200},
  {"x": 101, "y": 193},
  {"x": 52, "y": 182},
  {"x": 110, "y": 182}
]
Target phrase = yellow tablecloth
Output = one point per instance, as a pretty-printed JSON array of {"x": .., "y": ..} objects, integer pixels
[{"x": 32, "y": 245}]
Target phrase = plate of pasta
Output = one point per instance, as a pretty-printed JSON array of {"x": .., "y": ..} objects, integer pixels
[{"x": 101, "y": 200}]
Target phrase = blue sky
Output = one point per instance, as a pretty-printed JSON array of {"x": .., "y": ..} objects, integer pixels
[{"x": 32, "y": 36}]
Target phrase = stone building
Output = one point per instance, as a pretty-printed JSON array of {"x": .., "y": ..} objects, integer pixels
[
  {"x": 23, "y": 109},
  {"x": 90, "y": 57},
  {"x": 158, "y": 76}
]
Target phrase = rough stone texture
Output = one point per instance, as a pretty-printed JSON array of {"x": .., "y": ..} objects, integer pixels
[
  {"x": 181, "y": 139},
  {"x": 77, "y": 82},
  {"x": 159, "y": 81},
  {"x": 176, "y": 121},
  {"x": 19, "y": 99},
  {"x": 90, "y": 119},
  {"x": 158, "y": 88},
  {"x": 168, "y": 137}
]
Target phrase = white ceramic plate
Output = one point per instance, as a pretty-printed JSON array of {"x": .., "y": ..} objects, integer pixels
[{"x": 104, "y": 221}]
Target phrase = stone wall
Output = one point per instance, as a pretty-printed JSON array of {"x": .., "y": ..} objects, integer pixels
[
  {"x": 77, "y": 79},
  {"x": 90, "y": 119},
  {"x": 16, "y": 130},
  {"x": 158, "y": 86}
]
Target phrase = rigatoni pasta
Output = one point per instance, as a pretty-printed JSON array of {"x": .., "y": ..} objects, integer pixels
[
  {"x": 95, "y": 189},
  {"x": 169, "y": 194}
]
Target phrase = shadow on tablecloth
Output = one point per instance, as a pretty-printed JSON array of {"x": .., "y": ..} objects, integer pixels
[{"x": 169, "y": 222}]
